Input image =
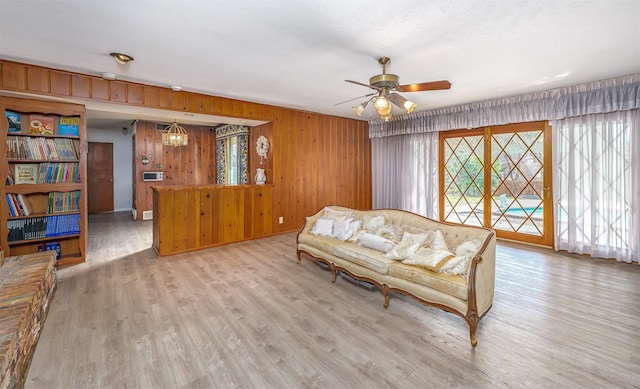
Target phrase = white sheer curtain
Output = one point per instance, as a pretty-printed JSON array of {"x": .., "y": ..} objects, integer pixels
[
  {"x": 597, "y": 184},
  {"x": 405, "y": 173}
]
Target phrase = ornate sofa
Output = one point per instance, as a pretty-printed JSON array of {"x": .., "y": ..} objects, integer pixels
[{"x": 447, "y": 266}]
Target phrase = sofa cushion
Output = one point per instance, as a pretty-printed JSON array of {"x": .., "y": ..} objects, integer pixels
[
  {"x": 324, "y": 243},
  {"x": 364, "y": 256},
  {"x": 454, "y": 285}
]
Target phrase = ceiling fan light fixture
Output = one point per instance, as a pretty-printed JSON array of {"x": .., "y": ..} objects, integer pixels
[
  {"x": 401, "y": 102},
  {"x": 410, "y": 106},
  {"x": 381, "y": 103},
  {"x": 384, "y": 111},
  {"x": 359, "y": 109}
]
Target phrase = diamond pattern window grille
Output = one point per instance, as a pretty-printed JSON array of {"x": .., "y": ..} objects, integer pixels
[{"x": 516, "y": 188}]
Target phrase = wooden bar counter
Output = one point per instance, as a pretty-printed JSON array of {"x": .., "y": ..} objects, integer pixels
[{"x": 188, "y": 218}]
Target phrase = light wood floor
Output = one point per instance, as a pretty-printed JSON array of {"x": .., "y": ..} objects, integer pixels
[{"x": 247, "y": 316}]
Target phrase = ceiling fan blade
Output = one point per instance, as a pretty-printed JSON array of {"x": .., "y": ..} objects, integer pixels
[
  {"x": 434, "y": 85},
  {"x": 370, "y": 94},
  {"x": 359, "y": 83}
]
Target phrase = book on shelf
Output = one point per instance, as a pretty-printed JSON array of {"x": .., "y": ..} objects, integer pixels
[
  {"x": 50, "y": 246},
  {"x": 69, "y": 125},
  {"x": 43, "y": 227},
  {"x": 14, "y": 121},
  {"x": 13, "y": 212},
  {"x": 24, "y": 205},
  {"x": 41, "y": 124},
  {"x": 18, "y": 205},
  {"x": 58, "y": 172},
  {"x": 26, "y": 173},
  {"x": 29, "y": 148},
  {"x": 10, "y": 180},
  {"x": 53, "y": 246},
  {"x": 63, "y": 202}
]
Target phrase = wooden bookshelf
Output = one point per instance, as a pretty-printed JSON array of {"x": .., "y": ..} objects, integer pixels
[{"x": 47, "y": 150}]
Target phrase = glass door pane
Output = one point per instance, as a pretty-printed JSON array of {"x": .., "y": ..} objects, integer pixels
[
  {"x": 464, "y": 180},
  {"x": 517, "y": 182}
]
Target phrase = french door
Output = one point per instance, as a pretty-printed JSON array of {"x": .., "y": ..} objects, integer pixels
[{"x": 499, "y": 177}]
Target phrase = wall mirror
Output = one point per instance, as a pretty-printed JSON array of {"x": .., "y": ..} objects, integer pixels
[{"x": 232, "y": 157}]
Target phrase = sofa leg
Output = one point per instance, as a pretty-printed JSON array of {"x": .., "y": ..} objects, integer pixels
[
  {"x": 385, "y": 293},
  {"x": 334, "y": 272},
  {"x": 474, "y": 342}
]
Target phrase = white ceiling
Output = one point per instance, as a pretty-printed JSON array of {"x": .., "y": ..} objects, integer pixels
[{"x": 297, "y": 53}]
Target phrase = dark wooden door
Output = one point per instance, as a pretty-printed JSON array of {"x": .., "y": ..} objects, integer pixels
[{"x": 100, "y": 177}]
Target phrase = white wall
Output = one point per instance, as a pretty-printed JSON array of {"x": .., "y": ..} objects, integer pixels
[{"x": 122, "y": 161}]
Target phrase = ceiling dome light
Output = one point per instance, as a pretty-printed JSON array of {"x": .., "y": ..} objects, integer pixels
[
  {"x": 121, "y": 58},
  {"x": 108, "y": 76}
]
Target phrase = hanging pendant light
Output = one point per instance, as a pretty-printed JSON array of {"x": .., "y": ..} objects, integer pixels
[{"x": 174, "y": 135}]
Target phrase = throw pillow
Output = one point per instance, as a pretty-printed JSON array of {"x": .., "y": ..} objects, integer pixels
[
  {"x": 389, "y": 231},
  {"x": 451, "y": 263},
  {"x": 429, "y": 258},
  {"x": 340, "y": 226},
  {"x": 403, "y": 250},
  {"x": 469, "y": 248},
  {"x": 323, "y": 226},
  {"x": 466, "y": 251},
  {"x": 375, "y": 242},
  {"x": 370, "y": 223},
  {"x": 356, "y": 235},
  {"x": 459, "y": 268},
  {"x": 439, "y": 242},
  {"x": 350, "y": 231},
  {"x": 332, "y": 214},
  {"x": 415, "y": 238}
]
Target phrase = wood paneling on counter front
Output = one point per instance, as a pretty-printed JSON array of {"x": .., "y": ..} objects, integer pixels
[
  {"x": 197, "y": 217},
  {"x": 314, "y": 160}
]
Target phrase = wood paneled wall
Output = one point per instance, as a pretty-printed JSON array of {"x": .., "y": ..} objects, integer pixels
[
  {"x": 193, "y": 164},
  {"x": 315, "y": 159}
]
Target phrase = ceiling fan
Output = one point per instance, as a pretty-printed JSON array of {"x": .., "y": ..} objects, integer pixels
[{"x": 387, "y": 86}]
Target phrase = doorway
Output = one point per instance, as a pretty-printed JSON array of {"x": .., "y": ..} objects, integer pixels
[
  {"x": 499, "y": 177},
  {"x": 100, "y": 177}
]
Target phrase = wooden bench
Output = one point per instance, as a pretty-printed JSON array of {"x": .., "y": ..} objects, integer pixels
[{"x": 27, "y": 285}]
